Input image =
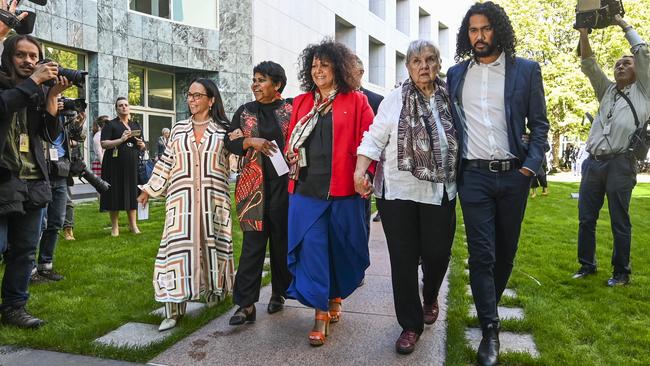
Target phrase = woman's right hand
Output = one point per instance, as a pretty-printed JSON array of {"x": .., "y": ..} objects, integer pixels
[{"x": 143, "y": 198}]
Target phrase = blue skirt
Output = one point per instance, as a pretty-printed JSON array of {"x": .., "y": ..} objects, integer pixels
[{"x": 327, "y": 248}]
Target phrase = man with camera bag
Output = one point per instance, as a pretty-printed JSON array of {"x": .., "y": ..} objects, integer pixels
[
  {"x": 28, "y": 113},
  {"x": 610, "y": 169}
]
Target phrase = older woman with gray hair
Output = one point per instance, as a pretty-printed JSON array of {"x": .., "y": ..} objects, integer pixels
[
  {"x": 162, "y": 142},
  {"x": 416, "y": 189}
]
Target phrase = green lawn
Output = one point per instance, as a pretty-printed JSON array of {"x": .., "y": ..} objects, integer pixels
[
  {"x": 108, "y": 283},
  {"x": 573, "y": 322}
]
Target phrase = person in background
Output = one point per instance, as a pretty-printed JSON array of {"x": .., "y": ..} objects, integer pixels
[
  {"x": 98, "y": 150},
  {"x": 195, "y": 257},
  {"x": 610, "y": 170},
  {"x": 261, "y": 195},
  {"x": 78, "y": 136},
  {"x": 539, "y": 180},
  {"x": 122, "y": 142},
  {"x": 328, "y": 239},
  {"x": 162, "y": 142}
]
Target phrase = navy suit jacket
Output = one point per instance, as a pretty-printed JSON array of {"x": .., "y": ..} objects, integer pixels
[
  {"x": 525, "y": 108},
  {"x": 374, "y": 99}
]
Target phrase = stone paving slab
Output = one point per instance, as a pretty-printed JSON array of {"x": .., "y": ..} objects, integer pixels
[
  {"x": 134, "y": 335},
  {"x": 505, "y": 313},
  {"x": 509, "y": 293},
  {"x": 510, "y": 342},
  {"x": 193, "y": 310},
  {"x": 30, "y": 357}
]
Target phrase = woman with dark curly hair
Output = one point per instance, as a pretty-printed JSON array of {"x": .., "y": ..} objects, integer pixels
[
  {"x": 258, "y": 130},
  {"x": 328, "y": 239},
  {"x": 500, "y": 116}
]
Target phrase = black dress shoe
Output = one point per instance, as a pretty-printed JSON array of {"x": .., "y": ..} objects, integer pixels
[
  {"x": 19, "y": 317},
  {"x": 488, "y": 350},
  {"x": 243, "y": 315},
  {"x": 618, "y": 279},
  {"x": 276, "y": 303},
  {"x": 584, "y": 271}
]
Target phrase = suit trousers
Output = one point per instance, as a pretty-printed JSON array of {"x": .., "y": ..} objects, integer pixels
[
  {"x": 615, "y": 179},
  {"x": 413, "y": 231},
  {"x": 493, "y": 207}
]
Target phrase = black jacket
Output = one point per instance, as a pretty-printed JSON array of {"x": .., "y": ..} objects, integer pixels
[
  {"x": 40, "y": 124},
  {"x": 374, "y": 99}
]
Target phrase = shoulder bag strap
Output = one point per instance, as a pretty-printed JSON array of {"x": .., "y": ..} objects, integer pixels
[{"x": 636, "y": 118}]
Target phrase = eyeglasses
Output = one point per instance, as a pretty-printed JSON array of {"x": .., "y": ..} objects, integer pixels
[{"x": 195, "y": 96}]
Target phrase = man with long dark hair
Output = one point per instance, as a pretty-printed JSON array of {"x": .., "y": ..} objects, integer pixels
[
  {"x": 500, "y": 115},
  {"x": 28, "y": 113}
]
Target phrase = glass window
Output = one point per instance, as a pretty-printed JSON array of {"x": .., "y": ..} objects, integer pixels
[
  {"x": 69, "y": 60},
  {"x": 136, "y": 86},
  {"x": 180, "y": 10},
  {"x": 154, "y": 131},
  {"x": 160, "y": 90},
  {"x": 159, "y": 8}
]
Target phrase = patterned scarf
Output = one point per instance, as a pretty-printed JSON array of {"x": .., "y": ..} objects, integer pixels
[
  {"x": 418, "y": 145},
  {"x": 305, "y": 126}
]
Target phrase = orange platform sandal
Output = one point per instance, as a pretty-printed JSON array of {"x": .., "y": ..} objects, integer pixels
[
  {"x": 335, "y": 309},
  {"x": 317, "y": 337}
]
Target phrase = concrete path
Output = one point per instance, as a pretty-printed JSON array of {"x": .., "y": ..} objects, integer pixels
[
  {"x": 30, "y": 357},
  {"x": 365, "y": 335}
]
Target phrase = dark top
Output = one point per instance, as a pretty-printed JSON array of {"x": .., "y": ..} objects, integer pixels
[
  {"x": 374, "y": 99},
  {"x": 120, "y": 171},
  {"x": 314, "y": 179},
  {"x": 267, "y": 126}
]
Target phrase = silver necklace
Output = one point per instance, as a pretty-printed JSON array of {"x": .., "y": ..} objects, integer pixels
[{"x": 201, "y": 123}]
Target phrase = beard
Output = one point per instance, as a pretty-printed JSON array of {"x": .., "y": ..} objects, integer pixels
[{"x": 487, "y": 51}]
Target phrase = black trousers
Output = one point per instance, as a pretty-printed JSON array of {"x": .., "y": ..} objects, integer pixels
[
  {"x": 615, "y": 179},
  {"x": 251, "y": 262},
  {"x": 413, "y": 231},
  {"x": 493, "y": 208}
]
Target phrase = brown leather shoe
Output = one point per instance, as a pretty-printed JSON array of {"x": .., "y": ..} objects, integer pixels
[
  {"x": 430, "y": 312},
  {"x": 406, "y": 342}
]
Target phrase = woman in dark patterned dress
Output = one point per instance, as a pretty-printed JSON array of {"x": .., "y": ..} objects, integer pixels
[{"x": 261, "y": 195}]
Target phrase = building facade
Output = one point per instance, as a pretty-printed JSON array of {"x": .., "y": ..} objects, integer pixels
[{"x": 150, "y": 50}]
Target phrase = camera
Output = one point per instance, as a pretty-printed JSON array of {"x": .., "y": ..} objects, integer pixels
[
  {"x": 76, "y": 77},
  {"x": 25, "y": 26},
  {"x": 597, "y": 14},
  {"x": 79, "y": 168},
  {"x": 72, "y": 106}
]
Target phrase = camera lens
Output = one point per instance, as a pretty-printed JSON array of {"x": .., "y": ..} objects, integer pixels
[{"x": 76, "y": 77}]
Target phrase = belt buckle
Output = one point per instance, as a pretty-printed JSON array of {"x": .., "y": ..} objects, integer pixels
[{"x": 494, "y": 166}]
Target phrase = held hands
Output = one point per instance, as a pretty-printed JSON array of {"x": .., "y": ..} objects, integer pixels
[
  {"x": 362, "y": 185},
  {"x": 291, "y": 157},
  {"x": 236, "y": 134}
]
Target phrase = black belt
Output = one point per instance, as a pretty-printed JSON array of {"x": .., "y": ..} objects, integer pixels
[
  {"x": 604, "y": 157},
  {"x": 495, "y": 166}
]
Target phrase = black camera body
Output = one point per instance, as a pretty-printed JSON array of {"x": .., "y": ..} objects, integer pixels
[
  {"x": 597, "y": 14},
  {"x": 25, "y": 26},
  {"x": 72, "y": 106}
]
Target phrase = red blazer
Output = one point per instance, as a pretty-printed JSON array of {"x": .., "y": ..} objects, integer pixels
[{"x": 351, "y": 117}]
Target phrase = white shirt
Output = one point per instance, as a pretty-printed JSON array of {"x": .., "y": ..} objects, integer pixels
[
  {"x": 485, "y": 115},
  {"x": 97, "y": 146},
  {"x": 380, "y": 144}
]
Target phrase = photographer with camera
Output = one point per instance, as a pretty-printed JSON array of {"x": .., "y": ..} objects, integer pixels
[
  {"x": 28, "y": 115},
  {"x": 610, "y": 170}
]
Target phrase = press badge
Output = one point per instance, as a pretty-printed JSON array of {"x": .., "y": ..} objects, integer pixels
[
  {"x": 302, "y": 157},
  {"x": 606, "y": 129},
  {"x": 54, "y": 154},
  {"x": 24, "y": 143},
  {"x": 115, "y": 152}
]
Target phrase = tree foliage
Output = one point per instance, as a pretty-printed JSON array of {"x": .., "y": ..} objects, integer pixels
[{"x": 544, "y": 30}]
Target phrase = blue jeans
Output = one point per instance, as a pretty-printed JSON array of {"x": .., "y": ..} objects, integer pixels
[
  {"x": 55, "y": 215},
  {"x": 22, "y": 238},
  {"x": 615, "y": 179},
  {"x": 493, "y": 208}
]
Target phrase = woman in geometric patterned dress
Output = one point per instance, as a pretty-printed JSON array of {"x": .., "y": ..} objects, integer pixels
[{"x": 195, "y": 258}]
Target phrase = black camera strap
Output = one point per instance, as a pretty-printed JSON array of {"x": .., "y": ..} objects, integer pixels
[{"x": 627, "y": 99}]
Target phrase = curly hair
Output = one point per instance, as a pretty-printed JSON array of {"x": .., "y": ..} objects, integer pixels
[
  {"x": 338, "y": 54},
  {"x": 504, "y": 35}
]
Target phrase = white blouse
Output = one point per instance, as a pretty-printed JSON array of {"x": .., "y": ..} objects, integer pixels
[{"x": 380, "y": 144}]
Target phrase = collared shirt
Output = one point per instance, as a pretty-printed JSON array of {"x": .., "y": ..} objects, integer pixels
[
  {"x": 485, "y": 114},
  {"x": 380, "y": 144},
  {"x": 611, "y": 130}
]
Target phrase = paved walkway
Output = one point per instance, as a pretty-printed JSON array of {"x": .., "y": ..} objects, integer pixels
[{"x": 365, "y": 335}]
